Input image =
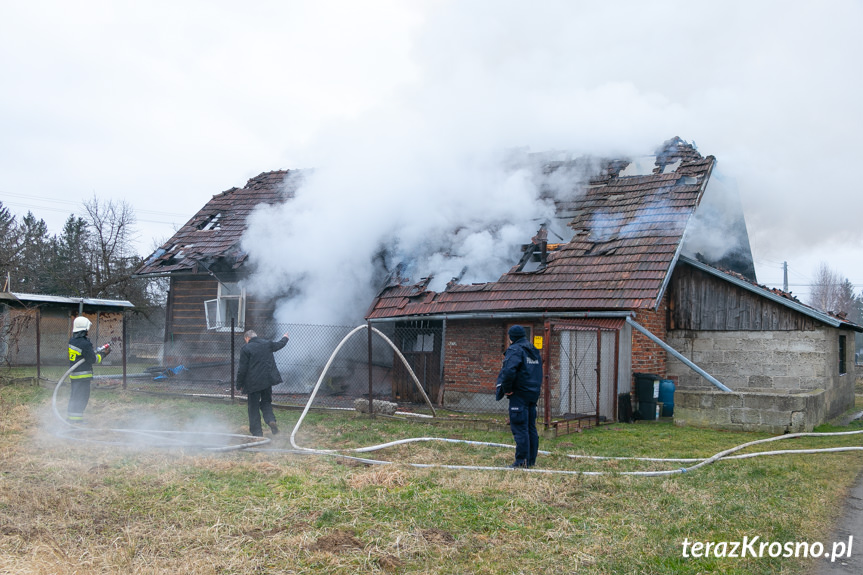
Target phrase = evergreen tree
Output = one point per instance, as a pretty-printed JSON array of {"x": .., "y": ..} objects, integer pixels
[
  {"x": 35, "y": 257},
  {"x": 10, "y": 245},
  {"x": 72, "y": 271}
]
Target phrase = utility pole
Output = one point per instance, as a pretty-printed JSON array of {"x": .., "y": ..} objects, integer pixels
[{"x": 785, "y": 277}]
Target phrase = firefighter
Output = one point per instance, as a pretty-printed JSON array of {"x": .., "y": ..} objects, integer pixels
[{"x": 80, "y": 378}]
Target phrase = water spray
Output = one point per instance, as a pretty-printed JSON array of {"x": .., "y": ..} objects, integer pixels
[{"x": 165, "y": 437}]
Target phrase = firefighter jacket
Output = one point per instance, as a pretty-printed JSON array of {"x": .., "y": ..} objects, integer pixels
[
  {"x": 521, "y": 372},
  {"x": 80, "y": 347},
  {"x": 257, "y": 369}
]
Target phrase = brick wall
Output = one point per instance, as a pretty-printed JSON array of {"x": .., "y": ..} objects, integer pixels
[
  {"x": 474, "y": 352},
  {"x": 648, "y": 357}
]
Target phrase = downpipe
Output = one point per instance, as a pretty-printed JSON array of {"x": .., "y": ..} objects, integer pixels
[{"x": 679, "y": 356}]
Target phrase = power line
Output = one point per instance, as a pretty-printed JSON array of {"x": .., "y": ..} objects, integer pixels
[{"x": 78, "y": 204}]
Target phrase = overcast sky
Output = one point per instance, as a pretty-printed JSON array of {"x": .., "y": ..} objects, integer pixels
[{"x": 166, "y": 103}]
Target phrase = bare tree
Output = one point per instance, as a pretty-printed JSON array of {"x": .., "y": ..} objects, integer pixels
[
  {"x": 111, "y": 233},
  {"x": 833, "y": 293}
]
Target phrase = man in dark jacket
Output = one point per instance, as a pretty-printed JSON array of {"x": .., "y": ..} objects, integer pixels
[
  {"x": 520, "y": 380},
  {"x": 80, "y": 348},
  {"x": 256, "y": 376}
]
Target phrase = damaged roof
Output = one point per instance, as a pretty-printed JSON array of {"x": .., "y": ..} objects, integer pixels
[
  {"x": 783, "y": 298},
  {"x": 212, "y": 237},
  {"x": 628, "y": 230}
]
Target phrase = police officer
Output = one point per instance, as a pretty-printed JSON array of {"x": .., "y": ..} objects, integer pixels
[
  {"x": 80, "y": 378},
  {"x": 520, "y": 380}
]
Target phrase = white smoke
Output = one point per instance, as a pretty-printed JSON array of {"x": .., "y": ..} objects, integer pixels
[
  {"x": 349, "y": 224},
  {"x": 426, "y": 174}
]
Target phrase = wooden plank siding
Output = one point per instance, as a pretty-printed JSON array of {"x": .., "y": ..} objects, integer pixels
[
  {"x": 187, "y": 338},
  {"x": 700, "y": 301}
]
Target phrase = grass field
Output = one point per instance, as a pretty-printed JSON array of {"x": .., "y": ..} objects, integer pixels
[{"x": 70, "y": 506}]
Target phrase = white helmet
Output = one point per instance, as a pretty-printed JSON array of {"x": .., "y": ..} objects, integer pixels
[{"x": 81, "y": 323}]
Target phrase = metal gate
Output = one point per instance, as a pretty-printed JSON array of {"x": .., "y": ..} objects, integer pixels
[{"x": 583, "y": 371}]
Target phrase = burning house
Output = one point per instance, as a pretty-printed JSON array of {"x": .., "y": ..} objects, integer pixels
[
  {"x": 633, "y": 288},
  {"x": 206, "y": 268},
  {"x": 642, "y": 271}
]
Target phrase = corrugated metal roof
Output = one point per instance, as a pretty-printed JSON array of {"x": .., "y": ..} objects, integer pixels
[
  {"x": 628, "y": 232},
  {"x": 39, "y": 298}
]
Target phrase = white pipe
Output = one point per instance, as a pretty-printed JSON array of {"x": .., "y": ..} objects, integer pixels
[
  {"x": 698, "y": 462},
  {"x": 371, "y": 402}
]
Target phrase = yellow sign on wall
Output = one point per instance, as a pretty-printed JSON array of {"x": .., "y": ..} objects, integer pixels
[{"x": 537, "y": 341}]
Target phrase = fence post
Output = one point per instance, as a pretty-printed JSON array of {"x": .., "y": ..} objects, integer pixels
[
  {"x": 546, "y": 368},
  {"x": 38, "y": 345},
  {"x": 371, "y": 401},
  {"x": 125, "y": 345},
  {"x": 598, "y": 372},
  {"x": 233, "y": 383}
]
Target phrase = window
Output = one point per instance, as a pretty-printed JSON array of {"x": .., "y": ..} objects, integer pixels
[
  {"x": 231, "y": 303},
  {"x": 527, "y": 328},
  {"x": 842, "y": 366}
]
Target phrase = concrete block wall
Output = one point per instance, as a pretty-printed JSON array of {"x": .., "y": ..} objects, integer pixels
[
  {"x": 773, "y": 412},
  {"x": 789, "y": 362}
]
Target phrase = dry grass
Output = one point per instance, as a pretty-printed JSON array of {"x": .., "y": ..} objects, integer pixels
[{"x": 72, "y": 507}]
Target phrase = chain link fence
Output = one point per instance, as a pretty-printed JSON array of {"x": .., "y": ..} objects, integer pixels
[
  {"x": 582, "y": 363},
  {"x": 205, "y": 363}
]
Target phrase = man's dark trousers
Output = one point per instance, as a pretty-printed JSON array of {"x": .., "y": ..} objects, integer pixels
[
  {"x": 522, "y": 422},
  {"x": 263, "y": 401}
]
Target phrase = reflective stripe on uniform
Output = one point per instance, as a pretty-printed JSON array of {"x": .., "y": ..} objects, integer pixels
[
  {"x": 81, "y": 375},
  {"x": 74, "y": 352}
]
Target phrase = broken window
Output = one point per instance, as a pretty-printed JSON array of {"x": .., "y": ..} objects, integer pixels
[{"x": 230, "y": 304}]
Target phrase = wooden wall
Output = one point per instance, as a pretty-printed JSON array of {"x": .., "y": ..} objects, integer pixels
[
  {"x": 700, "y": 301},
  {"x": 186, "y": 335}
]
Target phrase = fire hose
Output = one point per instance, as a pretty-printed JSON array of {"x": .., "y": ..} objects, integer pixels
[
  {"x": 168, "y": 438},
  {"x": 256, "y": 442},
  {"x": 697, "y": 463}
]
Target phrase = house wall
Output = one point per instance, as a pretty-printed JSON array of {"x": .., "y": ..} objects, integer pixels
[
  {"x": 775, "y": 361},
  {"x": 473, "y": 354},
  {"x": 701, "y": 301},
  {"x": 648, "y": 357},
  {"x": 187, "y": 338}
]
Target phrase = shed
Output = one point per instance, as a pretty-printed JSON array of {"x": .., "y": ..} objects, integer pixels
[{"x": 36, "y": 326}]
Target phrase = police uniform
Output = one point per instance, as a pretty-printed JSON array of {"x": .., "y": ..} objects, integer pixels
[{"x": 520, "y": 380}]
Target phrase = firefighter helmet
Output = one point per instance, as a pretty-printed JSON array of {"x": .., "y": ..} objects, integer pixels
[{"x": 81, "y": 323}]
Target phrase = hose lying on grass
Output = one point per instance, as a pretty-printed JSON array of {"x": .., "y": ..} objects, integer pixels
[
  {"x": 206, "y": 440},
  {"x": 181, "y": 439},
  {"x": 698, "y": 463}
]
